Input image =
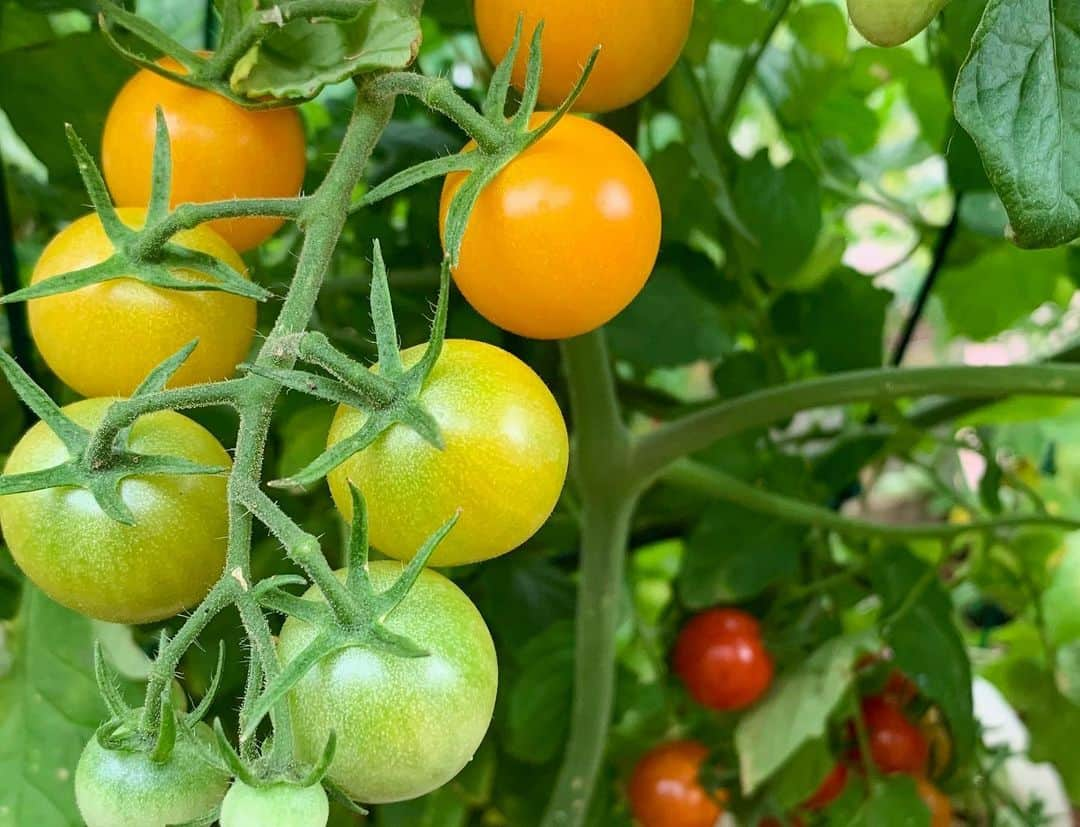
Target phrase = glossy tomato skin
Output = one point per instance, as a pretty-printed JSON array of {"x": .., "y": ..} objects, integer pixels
[
  {"x": 84, "y": 560},
  {"x": 939, "y": 805},
  {"x": 104, "y": 339},
  {"x": 640, "y": 40},
  {"x": 405, "y": 726},
  {"x": 219, "y": 150},
  {"x": 504, "y": 461},
  {"x": 564, "y": 237},
  {"x": 721, "y": 658},
  {"x": 666, "y": 790},
  {"x": 282, "y": 805},
  {"x": 829, "y": 790},
  {"x": 115, "y": 788},
  {"x": 896, "y": 744}
]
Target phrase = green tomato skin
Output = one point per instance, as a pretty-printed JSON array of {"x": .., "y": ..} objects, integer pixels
[
  {"x": 126, "y": 789},
  {"x": 281, "y": 805},
  {"x": 84, "y": 560},
  {"x": 405, "y": 726},
  {"x": 892, "y": 22},
  {"x": 503, "y": 462}
]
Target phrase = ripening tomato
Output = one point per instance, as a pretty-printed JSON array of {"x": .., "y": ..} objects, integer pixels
[
  {"x": 564, "y": 237},
  {"x": 640, "y": 41},
  {"x": 504, "y": 461},
  {"x": 83, "y": 559},
  {"x": 405, "y": 726},
  {"x": 105, "y": 338},
  {"x": 666, "y": 789},
  {"x": 895, "y": 743},
  {"x": 936, "y": 802},
  {"x": 720, "y": 657},
  {"x": 831, "y": 788},
  {"x": 219, "y": 150},
  {"x": 124, "y": 788}
]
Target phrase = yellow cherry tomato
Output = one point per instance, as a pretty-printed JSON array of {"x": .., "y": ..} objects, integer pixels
[
  {"x": 503, "y": 464},
  {"x": 219, "y": 150},
  {"x": 104, "y": 339},
  {"x": 564, "y": 237},
  {"x": 640, "y": 41}
]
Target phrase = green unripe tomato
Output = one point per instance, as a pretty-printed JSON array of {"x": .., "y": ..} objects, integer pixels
[
  {"x": 282, "y": 805},
  {"x": 120, "y": 788},
  {"x": 892, "y": 22},
  {"x": 405, "y": 726},
  {"x": 83, "y": 559}
]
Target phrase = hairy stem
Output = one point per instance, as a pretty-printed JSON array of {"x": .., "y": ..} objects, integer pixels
[{"x": 602, "y": 454}]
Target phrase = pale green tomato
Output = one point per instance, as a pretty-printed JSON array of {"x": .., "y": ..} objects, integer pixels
[
  {"x": 280, "y": 805},
  {"x": 892, "y": 22}
]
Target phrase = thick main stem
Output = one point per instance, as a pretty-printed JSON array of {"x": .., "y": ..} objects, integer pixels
[{"x": 601, "y": 464}]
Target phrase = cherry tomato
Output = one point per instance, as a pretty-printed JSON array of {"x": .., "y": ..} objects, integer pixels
[
  {"x": 405, "y": 726},
  {"x": 282, "y": 805},
  {"x": 895, "y": 743},
  {"x": 892, "y": 23},
  {"x": 900, "y": 689},
  {"x": 564, "y": 237},
  {"x": 120, "y": 788},
  {"x": 83, "y": 559},
  {"x": 666, "y": 790},
  {"x": 830, "y": 790},
  {"x": 104, "y": 339},
  {"x": 721, "y": 659},
  {"x": 503, "y": 464},
  {"x": 219, "y": 150},
  {"x": 936, "y": 802},
  {"x": 640, "y": 40}
]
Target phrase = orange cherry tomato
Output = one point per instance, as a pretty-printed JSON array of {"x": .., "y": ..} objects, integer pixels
[
  {"x": 219, "y": 150},
  {"x": 640, "y": 41},
  {"x": 936, "y": 802},
  {"x": 104, "y": 339},
  {"x": 565, "y": 236},
  {"x": 666, "y": 789}
]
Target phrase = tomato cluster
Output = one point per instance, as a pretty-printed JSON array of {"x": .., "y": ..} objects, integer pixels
[{"x": 723, "y": 661}]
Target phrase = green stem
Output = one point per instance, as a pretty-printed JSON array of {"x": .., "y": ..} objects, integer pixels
[
  {"x": 662, "y": 447},
  {"x": 601, "y": 460},
  {"x": 747, "y": 66},
  {"x": 715, "y": 483}
]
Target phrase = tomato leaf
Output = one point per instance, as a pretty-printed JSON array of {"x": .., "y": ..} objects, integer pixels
[
  {"x": 893, "y": 803},
  {"x": 305, "y": 55},
  {"x": 49, "y": 708},
  {"x": 798, "y": 708},
  {"x": 539, "y": 706},
  {"x": 1017, "y": 96}
]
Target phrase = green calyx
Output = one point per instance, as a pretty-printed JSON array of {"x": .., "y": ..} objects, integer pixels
[
  {"x": 99, "y": 462},
  {"x": 353, "y": 615},
  {"x": 146, "y": 255}
]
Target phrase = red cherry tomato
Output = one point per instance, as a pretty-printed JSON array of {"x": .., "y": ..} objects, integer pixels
[
  {"x": 900, "y": 689},
  {"x": 721, "y": 659},
  {"x": 830, "y": 790},
  {"x": 896, "y": 744},
  {"x": 666, "y": 790}
]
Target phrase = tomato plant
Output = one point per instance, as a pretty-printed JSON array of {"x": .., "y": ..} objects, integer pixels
[
  {"x": 104, "y": 339},
  {"x": 163, "y": 563},
  {"x": 666, "y": 788},
  {"x": 738, "y": 415},
  {"x": 564, "y": 237},
  {"x": 503, "y": 459},
  {"x": 219, "y": 150},
  {"x": 721, "y": 658},
  {"x": 640, "y": 42}
]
